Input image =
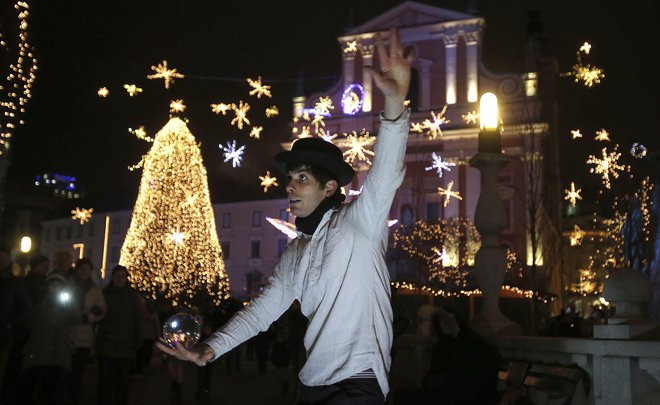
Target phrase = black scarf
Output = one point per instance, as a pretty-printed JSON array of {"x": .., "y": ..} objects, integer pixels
[{"x": 308, "y": 224}]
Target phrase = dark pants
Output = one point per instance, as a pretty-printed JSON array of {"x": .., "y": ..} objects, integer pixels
[
  {"x": 114, "y": 379},
  {"x": 79, "y": 360},
  {"x": 352, "y": 391}
]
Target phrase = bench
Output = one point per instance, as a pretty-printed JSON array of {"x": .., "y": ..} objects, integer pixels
[{"x": 524, "y": 382}]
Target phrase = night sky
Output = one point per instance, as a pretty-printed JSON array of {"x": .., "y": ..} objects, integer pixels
[{"x": 82, "y": 46}]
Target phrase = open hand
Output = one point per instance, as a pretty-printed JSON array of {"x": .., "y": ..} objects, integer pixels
[{"x": 200, "y": 354}]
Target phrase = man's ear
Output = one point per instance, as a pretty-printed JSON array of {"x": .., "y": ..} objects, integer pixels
[{"x": 330, "y": 187}]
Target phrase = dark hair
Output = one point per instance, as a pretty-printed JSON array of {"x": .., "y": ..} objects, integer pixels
[
  {"x": 319, "y": 173},
  {"x": 117, "y": 268},
  {"x": 84, "y": 261}
]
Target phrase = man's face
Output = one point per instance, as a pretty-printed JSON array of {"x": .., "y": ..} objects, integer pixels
[
  {"x": 119, "y": 279},
  {"x": 305, "y": 192}
]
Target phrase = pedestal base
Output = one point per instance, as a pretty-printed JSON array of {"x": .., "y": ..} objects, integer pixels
[{"x": 626, "y": 331}]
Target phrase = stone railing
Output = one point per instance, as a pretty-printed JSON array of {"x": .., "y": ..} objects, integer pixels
[{"x": 621, "y": 371}]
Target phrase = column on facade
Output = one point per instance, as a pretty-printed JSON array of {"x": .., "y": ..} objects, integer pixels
[
  {"x": 451, "y": 41},
  {"x": 472, "y": 65},
  {"x": 349, "y": 68},
  {"x": 425, "y": 83},
  {"x": 367, "y": 83}
]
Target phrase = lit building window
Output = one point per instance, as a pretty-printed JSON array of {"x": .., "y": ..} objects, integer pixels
[{"x": 531, "y": 83}]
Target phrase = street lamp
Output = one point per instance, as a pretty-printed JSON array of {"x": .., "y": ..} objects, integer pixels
[
  {"x": 26, "y": 244},
  {"x": 24, "y": 259},
  {"x": 490, "y": 219}
]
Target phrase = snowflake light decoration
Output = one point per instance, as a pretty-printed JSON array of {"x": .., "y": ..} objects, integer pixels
[
  {"x": 267, "y": 181},
  {"x": 323, "y": 106},
  {"x": 163, "y": 72},
  {"x": 230, "y": 152},
  {"x": 589, "y": 75},
  {"x": 272, "y": 111},
  {"x": 586, "y": 48},
  {"x": 177, "y": 106},
  {"x": 351, "y": 46},
  {"x": 573, "y": 194},
  {"x": 606, "y": 166},
  {"x": 471, "y": 117},
  {"x": 304, "y": 132},
  {"x": 602, "y": 135},
  {"x": 241, "y": 114},
  {"x": 439, "y": 165},
  {"x": 222, "y": 108},
  {"x": 575, "y": 133},
  {"x": 255, "y": 132},
  {"x": 433, "y": 127},
  {"x": 258, "y": 88},
  {"x": 103, "y": 92},
  {"x": 177, "y": 237},
  {"x": 326, "y": 135},
  {"x": 576, "y": 236},
  {"x": 81, "y": 214},
  {"x": 356, "y": 146},
  {"x": 448, "y": 193},
  {"x": 638, "y": 150},
  {"x": 140, "y": 133},
  {"x": 132, "y": 89}
]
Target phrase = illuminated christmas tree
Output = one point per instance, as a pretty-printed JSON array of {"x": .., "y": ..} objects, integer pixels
[{"x": 171, "y": 248}]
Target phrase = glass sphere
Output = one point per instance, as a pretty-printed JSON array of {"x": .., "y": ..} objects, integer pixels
[{"x": 183, "y": 328}]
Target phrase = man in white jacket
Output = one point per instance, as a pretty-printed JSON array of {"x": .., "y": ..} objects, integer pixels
[{"x": 336, "y": 266}]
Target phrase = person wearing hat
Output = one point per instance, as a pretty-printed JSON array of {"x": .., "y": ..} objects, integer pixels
[{"x": 336, "y": 266}]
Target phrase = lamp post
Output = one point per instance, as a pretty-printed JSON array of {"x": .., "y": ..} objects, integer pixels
[
  {"x": 490, "y": 219},
  {"x": 25, "y": 247}
]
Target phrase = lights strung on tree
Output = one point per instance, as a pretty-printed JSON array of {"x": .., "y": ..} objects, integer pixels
[
  {"x": 171, "y": 248},
  {"x": 161, "y": 71},
  {"x": 232, "y": 153},
  {"x": 576, "y": 236},
  {"x": 439, "y": 165},
  {"x": 267, "y": 181},
  {"x": 82, "y": 214},
  {"x": 16, "y": 88},
  {"x": 573, "y": 194},
  {"x": 258, "y": 88},
  {"x": 140, "y": 133},
  {"x": 607, "y": 165}
]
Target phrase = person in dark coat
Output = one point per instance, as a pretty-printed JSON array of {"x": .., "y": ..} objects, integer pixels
[
  {"x": 118, "y": 337},
  {"x": 47, "y": 353},
  {"x": 35, "y": 280}
]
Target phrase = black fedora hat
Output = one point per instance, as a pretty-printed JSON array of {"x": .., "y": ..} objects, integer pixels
[{"x": 317, "y": 152}]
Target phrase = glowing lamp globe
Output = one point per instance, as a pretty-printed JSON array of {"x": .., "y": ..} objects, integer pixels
[{"x": 182, "y": 328}]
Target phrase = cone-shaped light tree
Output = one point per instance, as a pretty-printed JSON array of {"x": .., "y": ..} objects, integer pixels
[{"x": 171, "y": 248}]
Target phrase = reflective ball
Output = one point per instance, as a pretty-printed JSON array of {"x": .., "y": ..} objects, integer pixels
[{"x": 183, "y": 328}]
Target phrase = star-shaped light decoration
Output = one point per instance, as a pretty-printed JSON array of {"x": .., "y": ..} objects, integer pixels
[
  {"x": 323, "y": 106},
  {"x": 448, "y": 193},
  {"x": 232, "y": 153},
  {"x": 471, "y": 117},
  {"x": 439, "y": 165},
  {"x": 576, "y": 236},
  {"x": 163, "y": 72},
  {"x": 255, "y": 132},
  {"x": 103, "y": 92},
  {"x": 326, "y": 135},
  {"x": 268, "y": 181},
  {"x": 351, "y": 46},
  {"x": 177, "y": 106},
  {"x": 416, "y": 127},
  {"x": 140, "y": 133},
  {"x": 602, "y": 135},
  {"x": 132, "y": 89},
  {"x": 272, "y": 111},
  {"x": 356, "y": 146},
  {"x": 258, "y": 88},
  {"x": 637, "y": 150},
  {"x": 177, "y": 237},
  {"x": 575, "y": 133},
  {"x": 573, "y": 194},
  {"x": 433, "y": 127},
  {"x": 82, "y": 214},
  {"x": 318, "y": 121},
  {"x": 607, "y": 166},
  {"x": 222, "y": 108},
  {"x": 241, "y": 114},
  {"x": 586, "y": 48}
]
